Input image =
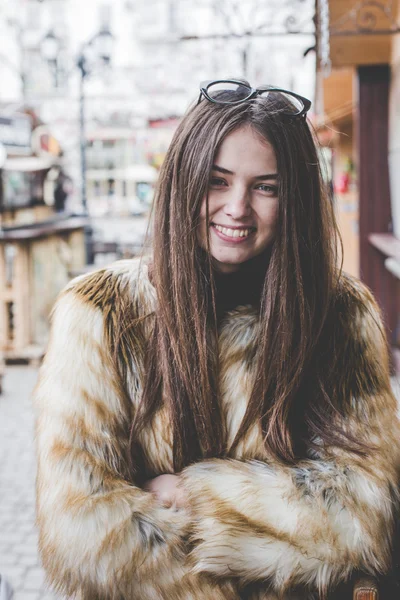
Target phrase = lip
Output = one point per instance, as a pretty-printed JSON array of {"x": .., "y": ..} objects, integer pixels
[{"x": 229, "y": 239}]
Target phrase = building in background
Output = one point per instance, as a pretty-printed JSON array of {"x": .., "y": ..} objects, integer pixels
[
  {"x": 358, "y": 83},
  {"x": 39, "y": 248},
  {"x": 119, "y": 180},
  {"x": 183, "y": 43}
]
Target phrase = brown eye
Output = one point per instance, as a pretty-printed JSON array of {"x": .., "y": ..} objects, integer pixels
[
  {"x": 217, "y": 181},
  {"x": 271, "y": 190}
]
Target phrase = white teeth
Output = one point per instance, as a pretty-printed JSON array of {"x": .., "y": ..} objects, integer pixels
[{"x": 234, "y": 233}]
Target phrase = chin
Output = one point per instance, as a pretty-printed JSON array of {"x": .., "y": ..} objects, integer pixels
[
  {"x": 226, "y": 264},
  {"x": 234, "y": 258}
]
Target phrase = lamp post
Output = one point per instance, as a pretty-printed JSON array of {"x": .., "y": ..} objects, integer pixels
[
  {"x": 101, "y": 45},
  {"x": 96, "y": 50}
]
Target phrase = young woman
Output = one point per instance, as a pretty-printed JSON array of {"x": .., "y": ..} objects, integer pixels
[{"x": 217, "y": 422}]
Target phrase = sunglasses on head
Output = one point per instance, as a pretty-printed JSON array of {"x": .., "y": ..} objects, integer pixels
[{"x": 233, "y": 91}]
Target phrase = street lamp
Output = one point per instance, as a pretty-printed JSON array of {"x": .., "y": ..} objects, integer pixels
[
  {"x": 104, "y": 42},
  {"x": 50, "y": 49},
  {"x": 97, "y": 50},
  {"x": 100, "y": 47}
]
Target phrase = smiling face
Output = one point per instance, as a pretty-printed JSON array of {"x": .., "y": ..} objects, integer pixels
[{"x": 242, "y": 200}]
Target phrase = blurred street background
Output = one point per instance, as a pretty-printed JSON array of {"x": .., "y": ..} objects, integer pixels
[{"x": 91, "y": 93}]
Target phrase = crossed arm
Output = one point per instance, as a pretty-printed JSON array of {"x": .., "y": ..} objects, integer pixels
[
  {"x": 311, "y": 525},
  {"x": 100, "y": 534}
]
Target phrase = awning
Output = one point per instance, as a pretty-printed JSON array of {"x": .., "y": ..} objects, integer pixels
[
  {"x": 44, "y": 229},
  {"x": 29, "y": 163}
]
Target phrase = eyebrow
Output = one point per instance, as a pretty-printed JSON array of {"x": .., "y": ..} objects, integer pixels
[{"x": 227, "y": 172}]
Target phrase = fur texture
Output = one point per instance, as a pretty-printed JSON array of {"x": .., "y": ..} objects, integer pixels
[{"x": 254, "y": 528}]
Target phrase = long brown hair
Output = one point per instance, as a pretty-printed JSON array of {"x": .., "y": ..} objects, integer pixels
[{"x": 181, "y": 364}]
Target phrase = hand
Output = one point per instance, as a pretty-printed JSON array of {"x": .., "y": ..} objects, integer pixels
[{"x": 167, "y": 491}]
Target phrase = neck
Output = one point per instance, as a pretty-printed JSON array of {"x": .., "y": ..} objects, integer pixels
[{"x": 243, "y": 286}]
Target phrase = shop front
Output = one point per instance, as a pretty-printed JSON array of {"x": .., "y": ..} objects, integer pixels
[
  {"x": 40, "y": 249},
  {"x": 358, "y": 101}
]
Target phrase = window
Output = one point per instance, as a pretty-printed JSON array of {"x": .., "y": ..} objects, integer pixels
[
  {"x": 10, "y": 321},
  {"x": 22, "y": 188},
  {"x": 17, "y": 189},
  {"x": 97, "y": 188},
  {"x": 143, "y": 191},
  {"x": 10, "y": 252}
]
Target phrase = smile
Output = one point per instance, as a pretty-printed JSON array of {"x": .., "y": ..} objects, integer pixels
[{"x": 236, "y": 235}]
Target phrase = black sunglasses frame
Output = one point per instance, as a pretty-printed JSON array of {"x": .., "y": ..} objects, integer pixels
[{"x": 253, "y": 93}]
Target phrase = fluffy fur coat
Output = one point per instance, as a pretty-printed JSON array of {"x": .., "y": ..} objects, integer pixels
[{"x": 254, "y": 528}]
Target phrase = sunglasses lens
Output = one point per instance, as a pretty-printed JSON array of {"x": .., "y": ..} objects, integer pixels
[
  {"x": 283, "y": 103},
  {"x": 228, "y": 92}
]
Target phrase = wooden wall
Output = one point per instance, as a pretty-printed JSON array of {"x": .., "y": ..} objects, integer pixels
[{"x": 375, "y": 208}]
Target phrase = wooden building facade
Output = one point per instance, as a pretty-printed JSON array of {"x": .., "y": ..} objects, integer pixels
[
  {"x": 40, "y": 248},
  {"x": 358, "y": 121}
]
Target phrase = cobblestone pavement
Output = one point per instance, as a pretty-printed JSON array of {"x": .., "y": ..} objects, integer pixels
[{"x": 19, "y": 561}]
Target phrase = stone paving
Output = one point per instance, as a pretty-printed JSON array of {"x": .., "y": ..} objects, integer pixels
[{"x": 19, "y": 561}]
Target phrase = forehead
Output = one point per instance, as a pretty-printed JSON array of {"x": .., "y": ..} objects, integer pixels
[{"x": 245, "y": 149}]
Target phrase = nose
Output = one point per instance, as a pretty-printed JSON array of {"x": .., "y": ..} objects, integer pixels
[{"x": 238, "y": 203}]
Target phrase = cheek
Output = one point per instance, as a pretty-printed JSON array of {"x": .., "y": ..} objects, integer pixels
[
  {"x": 213, "y": 206},
  {"x": 203, "y": 209},
  {"x": 269, "y": 215}
]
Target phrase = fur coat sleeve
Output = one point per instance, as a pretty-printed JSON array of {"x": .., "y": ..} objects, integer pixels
[
  {"x": 100, "y": 536},
  {"x": 316, "y": 522}
]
